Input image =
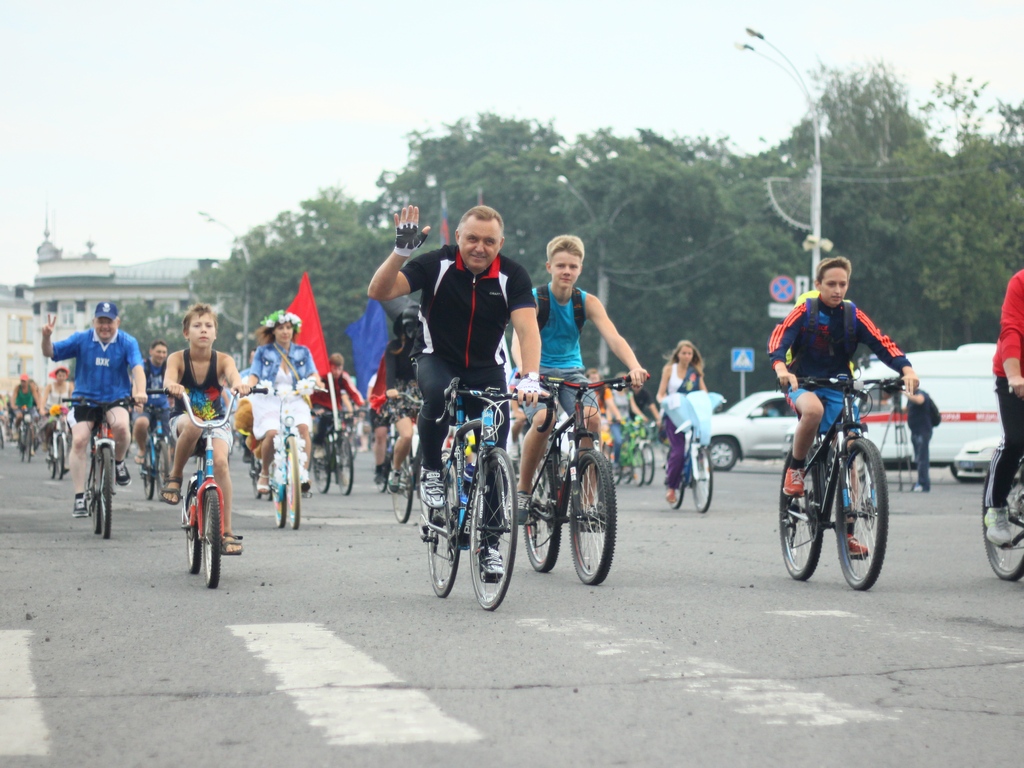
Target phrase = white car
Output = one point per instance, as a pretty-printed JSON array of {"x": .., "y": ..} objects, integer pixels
[
  {"x": 754, "y": 428},
  {"x": 974, "y": 458}
]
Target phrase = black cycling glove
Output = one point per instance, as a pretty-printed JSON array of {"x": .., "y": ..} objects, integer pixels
[{"x": 408, "y": 238}]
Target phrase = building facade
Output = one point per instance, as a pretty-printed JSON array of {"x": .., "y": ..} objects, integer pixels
[{"x": 17, "y": 347}]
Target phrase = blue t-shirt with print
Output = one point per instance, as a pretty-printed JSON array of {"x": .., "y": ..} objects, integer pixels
[{"x": 102, "y": 371}]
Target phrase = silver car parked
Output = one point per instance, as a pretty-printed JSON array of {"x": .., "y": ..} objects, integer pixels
[{"x": 754, "y": 428}]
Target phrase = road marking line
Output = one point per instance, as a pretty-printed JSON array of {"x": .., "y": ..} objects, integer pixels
[
  {"x": 22, "y": 727},
  {"x": 339, "y": 688},
  {"x": 812, "y": 614},
  {"x": 777, "y": 702}
]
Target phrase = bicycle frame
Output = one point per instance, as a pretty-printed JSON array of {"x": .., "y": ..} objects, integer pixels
[{"x": 192, "y": 513}]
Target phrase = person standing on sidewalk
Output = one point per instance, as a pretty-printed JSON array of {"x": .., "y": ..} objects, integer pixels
[{"x": 919, "y": 421}]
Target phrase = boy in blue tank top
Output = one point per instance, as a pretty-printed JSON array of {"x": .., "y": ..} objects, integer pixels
[{"x": 560, "y": 353}]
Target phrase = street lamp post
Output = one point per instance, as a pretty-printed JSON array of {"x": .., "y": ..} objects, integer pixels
[
  {"x": 602, "y": 276},
  {"x": 796, "y": 77},
  {"x": 245, "y": 305}
]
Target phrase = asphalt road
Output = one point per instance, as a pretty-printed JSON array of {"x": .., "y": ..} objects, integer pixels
[{"x": 326, "y": 645}]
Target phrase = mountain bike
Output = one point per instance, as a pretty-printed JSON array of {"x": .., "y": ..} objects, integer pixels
[
  {"x": 59, "y": 447},
  {"x": 843, "y": 470},
  {"x": 479, "y": 514},
  {"x": 1007, "y": 561},
  {"x": 636, "y": 454},
  {"x": 99, "y": 487},
  {"x": 586, "y": 501},
  {"x": 338, "y": 457},
  {"x": 692, "y": 415},
  {"x": 202, "y": 504},
  {"x": 156, "y": 459}
]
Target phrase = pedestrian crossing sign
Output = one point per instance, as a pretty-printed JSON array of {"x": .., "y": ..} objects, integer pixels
[{"x": 743, "y": 359}]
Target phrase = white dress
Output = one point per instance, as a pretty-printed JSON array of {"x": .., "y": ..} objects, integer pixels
[{"x": 266, "y": 409}]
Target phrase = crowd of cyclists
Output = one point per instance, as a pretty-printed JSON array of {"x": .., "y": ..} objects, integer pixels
[{"x": 469, "y": 293}]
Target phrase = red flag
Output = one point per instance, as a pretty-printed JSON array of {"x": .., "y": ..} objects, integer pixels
[{"x": 312, "y": 335}]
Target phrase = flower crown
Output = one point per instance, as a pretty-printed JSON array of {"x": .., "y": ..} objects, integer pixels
[{"x": 281, "y": 316}]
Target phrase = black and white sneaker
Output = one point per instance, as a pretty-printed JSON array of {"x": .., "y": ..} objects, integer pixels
[
  {"x": 522, "y": 506},
  {"x": 491, "y": 565},
  {"x": 432, "y": 489},
  {"x": 80, "y": 509},
  {"x": 121, "y": 474}
]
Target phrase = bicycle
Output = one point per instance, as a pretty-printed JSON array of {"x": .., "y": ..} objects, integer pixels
[
  {"x": 26, "y": 435},
  {"x": 60, "y": 443},
  {"x": 289, "y": 463},
  {"x": 99, "y": 487},
  {"x": 636, "y": 454},
  {"x": 339, "y": 458},
  {"x": 845, "y": 468},
  {"x": 693, "y": 415},
  {"x": 587, "y": 501},
  {"x": 1007, "y": 561},
  {"x": 405, "y": 404},
  {"x": 156, "y": 460},
  {"x": 480, "y": 504},
  {"x": 203, "y": 502}
]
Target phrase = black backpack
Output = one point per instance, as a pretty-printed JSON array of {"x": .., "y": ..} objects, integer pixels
[
  {"x": 933, "y": 412},
  {"x": 544, "y": 307}
]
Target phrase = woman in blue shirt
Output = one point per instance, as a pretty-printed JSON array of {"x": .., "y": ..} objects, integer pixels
[{"x": 280, "y": 364}]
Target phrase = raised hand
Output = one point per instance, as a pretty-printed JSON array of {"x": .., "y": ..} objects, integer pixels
[
  {"x": 51, "y": 321},
  {"x": 408, "y": 236}
]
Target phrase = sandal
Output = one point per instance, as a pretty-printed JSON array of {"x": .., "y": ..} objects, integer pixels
[
  {"x": 234, "y": 542},
  {"x": 670, "y": 496},
  {"x": 140, "y": 459},
  {"x": 263, "y": 484},
  {"x": 169, "y": 494}
]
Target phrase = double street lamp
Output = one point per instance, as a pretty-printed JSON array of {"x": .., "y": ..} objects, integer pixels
[
  {"x": 248, "y": 263},
  {"x": 602, "y": 276},
  {"x": 814, "y": 241}
]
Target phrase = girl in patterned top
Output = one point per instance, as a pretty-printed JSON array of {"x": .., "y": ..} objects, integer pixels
[{"x": 200, "y": 374}]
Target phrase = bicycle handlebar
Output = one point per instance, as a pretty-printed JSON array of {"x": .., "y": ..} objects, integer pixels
[
  {"x": 491, "y": 394},
  {"x": 212, "y": 423}
]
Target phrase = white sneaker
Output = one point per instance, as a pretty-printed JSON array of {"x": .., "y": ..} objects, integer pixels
[
  {"x": 490, "y": 563},
  {"x": 997, "y": 526},
  {"x": 432, "y": 489}
]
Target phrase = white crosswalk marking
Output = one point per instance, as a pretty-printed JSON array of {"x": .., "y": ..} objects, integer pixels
[
  {"x": 344, "y": 691},
  {"x": 22, "y": 728}
]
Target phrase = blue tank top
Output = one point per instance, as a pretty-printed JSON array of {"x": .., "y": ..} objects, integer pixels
[{"x": 559, "y": 338}]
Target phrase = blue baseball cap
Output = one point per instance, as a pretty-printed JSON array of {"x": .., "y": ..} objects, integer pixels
[{"x": 106, "y": 309}]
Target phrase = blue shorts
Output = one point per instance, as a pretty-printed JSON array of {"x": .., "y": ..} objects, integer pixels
[{"x": 831, "y": 399}]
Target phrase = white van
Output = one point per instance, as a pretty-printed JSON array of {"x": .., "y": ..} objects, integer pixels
[{"x": 961, "y": 383}]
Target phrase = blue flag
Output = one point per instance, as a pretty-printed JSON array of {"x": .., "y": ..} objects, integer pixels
[{"x": 369, "y": 336}]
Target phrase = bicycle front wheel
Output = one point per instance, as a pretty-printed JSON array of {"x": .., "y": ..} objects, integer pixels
[
  {"x": 863, "y": 502},
  {"x": 323, "y": 466},
  {"x": 149, "y": 471},
  {"x": 293, "y": 494},
  {"x": 213, "y": 537},
  {"x": 592, "y": 519},
  {"x": 800, "y": 529},
  {"x": 106, "y": 491},
  {"x": 1008, "y": 562},
  {"x": 702, "y": 480},
  {"x": 401, "y": 500},
  {"x": 345, "y": 466},
  {"x": 493, "y": 533},
  {"x": 647, "y": 456},
  {"x": 542, "y": 534},
  {"x": 443, "y": 547}
]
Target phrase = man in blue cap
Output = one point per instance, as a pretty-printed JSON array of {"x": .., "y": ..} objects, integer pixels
[{"x": 108, "y": 368}]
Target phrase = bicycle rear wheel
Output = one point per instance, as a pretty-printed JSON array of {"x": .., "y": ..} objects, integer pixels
[
  {"x": 62, "y": 449},
  {"x": 647, "y": 456},
  {"x": 193, "y": 539},
  {"x": 443, "y": 548},
  {"x": 863, "y": 502},
  {"x": 323, "y": 467},
  {"x": 493, "y": 527},
  {"x": 345, "y": 467},
  {"x": 106, "y": 495},
  {"x": 401, "y": 500},
  {"x": 542, "y": 534},
  {"x": 800, "y": 529},
  {"x": 593, "y": 518},
  {"x": 293, "y": 495},
  {"x": 149, "y": 471},
  {"x": 1008, "y": 562},
  {"x": 213, "y": 536},
  {"x": 702, "y": 480}
]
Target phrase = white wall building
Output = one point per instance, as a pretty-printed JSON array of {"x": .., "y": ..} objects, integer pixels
[
  {"x": 17, "y": 350},
  {"x": 69, "y": 287}
]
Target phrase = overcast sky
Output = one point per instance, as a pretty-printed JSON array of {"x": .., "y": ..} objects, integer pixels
[{"x": 130, "y": 117}]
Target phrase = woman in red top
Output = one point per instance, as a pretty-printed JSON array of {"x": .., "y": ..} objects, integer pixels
[{"x": 1010, "y": 394}]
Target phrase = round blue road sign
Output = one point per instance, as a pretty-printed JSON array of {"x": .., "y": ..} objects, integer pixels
[{"x": 782, "y": 288}]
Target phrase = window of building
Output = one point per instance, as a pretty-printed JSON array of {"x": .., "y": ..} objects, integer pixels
[
  {"x": 14, "y": 328},
  {"x": 13, "y": 366},
  {"x": 67, "y": 314}
]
